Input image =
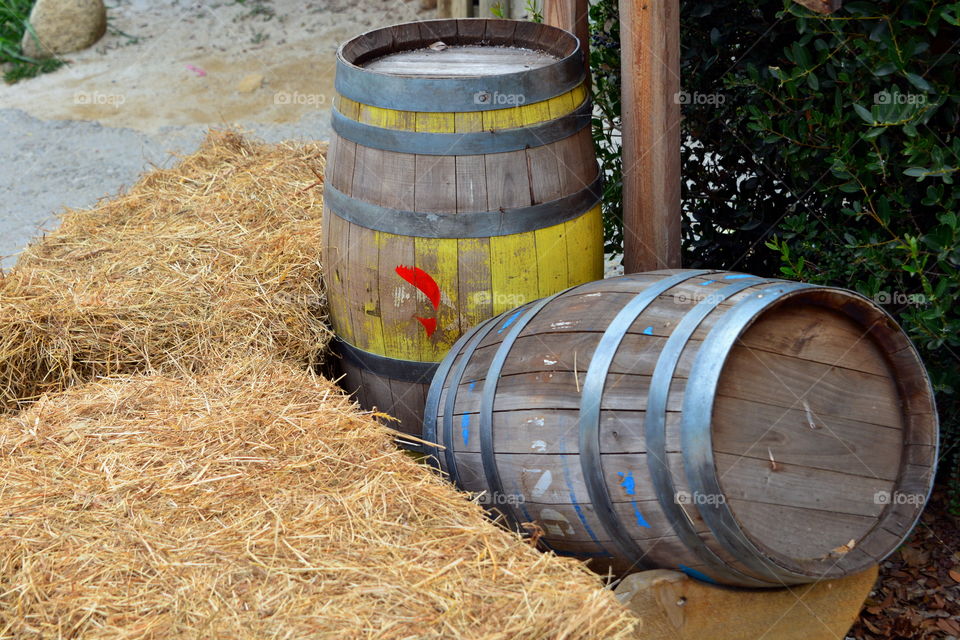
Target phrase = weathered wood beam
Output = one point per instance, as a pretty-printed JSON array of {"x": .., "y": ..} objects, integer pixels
[
  {"x": 650, "y": 63},
  {"x": 571, "y": 15}
]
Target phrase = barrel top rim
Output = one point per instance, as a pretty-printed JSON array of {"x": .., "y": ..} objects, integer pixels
[{"x": 574, "y": 46}]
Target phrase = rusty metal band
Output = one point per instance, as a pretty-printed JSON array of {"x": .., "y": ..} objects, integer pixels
[
  {"x": 451, "y": 376},
  {"x": 483, "y": 224},
  {"x": 696, "y": 439},
  {"x": 463, "y": 144},
  {"x": 656, "y": 438},
  {"x": 590, "y": 404},
  {"x": 405, "y": 370}
]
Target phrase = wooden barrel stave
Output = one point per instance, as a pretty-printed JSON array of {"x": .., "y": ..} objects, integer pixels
[{"x": 544, "y": 381}]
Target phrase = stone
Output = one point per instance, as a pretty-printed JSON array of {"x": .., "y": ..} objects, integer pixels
[
  {"x": 64, "y": 26},
  {"x": 674, "y": 606},
  {"x": 250, "y": 83}
]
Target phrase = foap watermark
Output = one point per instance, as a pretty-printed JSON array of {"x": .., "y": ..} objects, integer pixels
[
  {"x": 496, "y": 498},
  {"x": 508, "y": 300},
  {"x": 900, "y": 298},
  {"x": 688, "y": 298},
  {"x": 897, "y": 497},
  {"x": 97, "y": 98},
  {"x": 500, "y": 99},
  {"x": 697, "y": 498},
  {"x": 301, "y": 99},
  {"x": 698, "y": 98},
  {"x": 895, "y": 97}
]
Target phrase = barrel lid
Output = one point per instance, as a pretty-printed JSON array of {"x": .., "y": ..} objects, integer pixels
[
  {"x": 824, "y": 433},
  {"x": 440, "y": 60},
  {"x": 473, "y": 62}
]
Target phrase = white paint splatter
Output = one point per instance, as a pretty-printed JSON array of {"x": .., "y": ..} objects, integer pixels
[
  {"x": 549, "y": 362},
  {"x": 555, "y": 523},
  {"x": 543, "y": 483},
  {"x": 536, "y": 422},
  {"x": 400, "y": 295},
  {"x": 563, "y": 324},
  {"x": 539, "y": 445}
]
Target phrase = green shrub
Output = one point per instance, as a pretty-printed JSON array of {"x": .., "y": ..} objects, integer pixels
[
  {"x": 13, "y": 24},
  {"x": 826, "y": 149},
  {"x": 605, "y": 70}
]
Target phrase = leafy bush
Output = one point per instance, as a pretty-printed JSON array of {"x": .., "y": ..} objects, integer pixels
[
  {"x": 826, "y": 149},
  {"x": 13, "y": 24},
  {"x": 605, "y": 69}
]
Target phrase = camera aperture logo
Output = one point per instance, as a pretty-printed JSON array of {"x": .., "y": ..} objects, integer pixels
[{"x": 499, "y": 99}]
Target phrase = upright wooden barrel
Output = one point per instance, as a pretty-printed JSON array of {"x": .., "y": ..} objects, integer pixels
[
  {"x": 461, "y": 182},
  {"x": 747, "y": 431}
]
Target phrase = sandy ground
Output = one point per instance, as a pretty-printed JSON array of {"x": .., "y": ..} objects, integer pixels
[{"x": 165, "y": 72}]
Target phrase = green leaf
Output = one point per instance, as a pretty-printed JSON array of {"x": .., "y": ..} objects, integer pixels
[
  {"x": 884, "y": 70},
  {"x": 864, "y": 114},
  {"x": 920, "y": 83}
]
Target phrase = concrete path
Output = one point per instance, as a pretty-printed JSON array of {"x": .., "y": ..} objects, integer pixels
[{"x": 46, "y": 165}]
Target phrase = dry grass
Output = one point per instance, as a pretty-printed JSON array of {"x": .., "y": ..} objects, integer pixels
[
  {"x": 216, "y": 257},
  {"x": 256, "y": 502}
]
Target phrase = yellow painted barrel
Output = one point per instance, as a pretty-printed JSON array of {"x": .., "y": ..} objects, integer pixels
[{"x": 461, "y": 182}]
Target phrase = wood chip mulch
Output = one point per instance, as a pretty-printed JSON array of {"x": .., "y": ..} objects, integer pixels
[{"x": 917, "y": 595}]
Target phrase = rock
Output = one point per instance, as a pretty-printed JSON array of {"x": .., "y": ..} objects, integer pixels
[
  {"x": 250, "y": 83},
  {"x": 64, "y": 26}
]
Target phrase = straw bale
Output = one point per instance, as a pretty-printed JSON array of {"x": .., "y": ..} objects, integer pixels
[
  {"x": 256, "y": 501},
  {"x": 216, "y": 257}
]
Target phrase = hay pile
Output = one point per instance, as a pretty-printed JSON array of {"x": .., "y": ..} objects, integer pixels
[
  {"x": 255, "y": 502},
  {"x": 216, "y": 257}
]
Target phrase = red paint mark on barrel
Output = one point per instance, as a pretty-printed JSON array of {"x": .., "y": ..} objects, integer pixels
[
  {"x": 422, "y": 281},
  {"x": 430, "y": 324}
]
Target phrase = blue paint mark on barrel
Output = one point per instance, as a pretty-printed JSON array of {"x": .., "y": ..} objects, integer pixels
[
  {"x": 628, "y": 483},
  {"x": 738, "y": 276},
  {"x": 630, "y": 488},
  {"x": 696, "y": 575},
  {"x": 510, "y": 320},
  {"x": 573, "y": 496},
  {"x": 703, "y": 284},
  {"x": 648, "y": 331},
  {"x": 641, "y": 521},
  {"x": 473, "y": 385},
  {"x": 465, "y": 428}
]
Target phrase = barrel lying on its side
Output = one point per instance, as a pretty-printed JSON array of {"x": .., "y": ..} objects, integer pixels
[
  {"x": 462, "y": 182},
  {"x": 748, "y": 431}
]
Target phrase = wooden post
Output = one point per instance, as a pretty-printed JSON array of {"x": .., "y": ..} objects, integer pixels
[
  {"x": 572, "y": 16},
  {"x": 650, "y": 63}
]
